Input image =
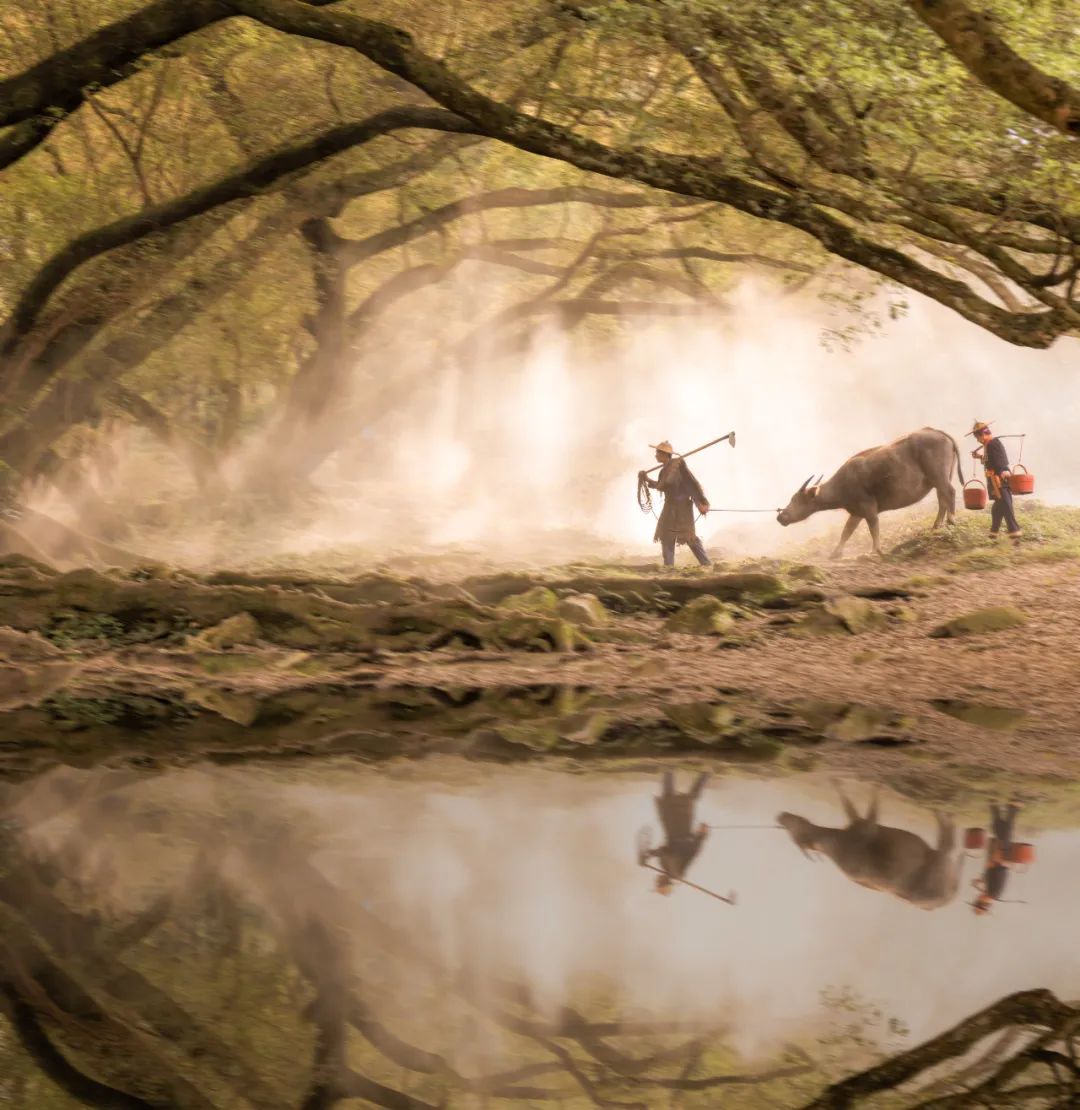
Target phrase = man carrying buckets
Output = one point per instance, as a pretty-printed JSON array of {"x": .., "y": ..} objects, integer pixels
[
  {"x": 1000, "y": 854},
  {"x": 996, "y": 463}
]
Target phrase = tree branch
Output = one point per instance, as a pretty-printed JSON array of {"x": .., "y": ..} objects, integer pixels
[
  {"x": 247, "y": 182},
  {"x": 33, "y": 102},
  {"x": 395, "y": 51},
  {"x": 971, "y": 38},
  {"x": 1040, "y": 1008},
  {"x": 38, "y": 1046}
]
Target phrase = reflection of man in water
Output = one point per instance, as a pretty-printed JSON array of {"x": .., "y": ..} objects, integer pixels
[
  {"x": 682, "y": 840},
  {"x": 992, "y": 884}
]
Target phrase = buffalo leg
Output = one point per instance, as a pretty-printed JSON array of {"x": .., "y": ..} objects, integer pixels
[
  {"x": 871, "y": 519},
  {"x": 946, "y": 833},
  {"x": 872, "y": 812},
  {"x": 845, "y": 801},
  {"x": 850, "y": 525},
  {"x": 946, "y": 505}
]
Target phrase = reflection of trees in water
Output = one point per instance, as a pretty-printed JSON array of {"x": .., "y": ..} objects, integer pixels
[{"x": 223, "y": 969}]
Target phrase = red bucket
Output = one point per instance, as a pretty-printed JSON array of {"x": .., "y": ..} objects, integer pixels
[
  {"x": 974, "y": 494},
  {"x": 1022, "y": 853},
  {"x": 1021, "y": 483},
  {"x": 974, "y": 839}
]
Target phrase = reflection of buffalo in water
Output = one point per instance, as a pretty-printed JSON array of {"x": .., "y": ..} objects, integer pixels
[{"x": 882, "y": 858}]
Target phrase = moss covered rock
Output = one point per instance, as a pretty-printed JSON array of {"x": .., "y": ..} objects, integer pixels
[
  {"x": 583, "y": 609},
  {"x": 996, "y": 618},
  {"x": 241, "y": 629},
  {"x": 843, "y": 615},
  {"x": 704, "y": 721},
  {"x": 806, "y": 572},
  {"x": 539, "y": 599},
  {"x": 704, "y": 616},
  {"x": 999, "y": 718},
  {"x": 856, "y": 614}
]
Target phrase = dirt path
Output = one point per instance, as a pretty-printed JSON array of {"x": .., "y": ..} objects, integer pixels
[
  {"x": 317, "y": 668},
  {"x": 1034, "y": 668}
]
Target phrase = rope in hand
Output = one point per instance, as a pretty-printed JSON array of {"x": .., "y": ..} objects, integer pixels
[
  {"x": 645, "y": 504},
  {"x": 644, "y": 494}
]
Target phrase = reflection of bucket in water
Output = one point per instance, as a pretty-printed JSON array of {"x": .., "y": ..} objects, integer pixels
[
  {"x": 974, "y": 839},
  {"x": 1021, "y": 853}
]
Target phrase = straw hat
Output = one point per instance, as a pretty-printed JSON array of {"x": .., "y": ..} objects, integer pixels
[
  {"x": 979, "y": 426},
  {"x": 664, "y": 446}
]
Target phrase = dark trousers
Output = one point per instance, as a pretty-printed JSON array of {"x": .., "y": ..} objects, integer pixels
[
  {"x": 694, "y": 792},
  {"x": 667, "y": 546},
  {"x": 1003, "y": 825},
  {"x": 1002, "y": 510},
  {"x": 997, "y": 873}
]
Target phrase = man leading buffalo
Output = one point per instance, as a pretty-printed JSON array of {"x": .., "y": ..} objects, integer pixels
[
  {"x": 682, "y": 492},
  {"x": 996, "y": 463}
]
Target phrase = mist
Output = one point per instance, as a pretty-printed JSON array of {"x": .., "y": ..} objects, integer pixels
[{"x": 535, "y": 460}]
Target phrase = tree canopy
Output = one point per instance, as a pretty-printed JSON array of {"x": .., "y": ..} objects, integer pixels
[{"x": 228, "y": 219}]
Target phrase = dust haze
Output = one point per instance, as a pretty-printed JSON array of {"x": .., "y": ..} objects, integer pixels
[{"x": 534, "y": 460}]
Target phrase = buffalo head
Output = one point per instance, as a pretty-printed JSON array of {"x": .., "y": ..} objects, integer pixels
[
  {"x": 802, "y": 504},
  {"x": 801, "y": 831}
]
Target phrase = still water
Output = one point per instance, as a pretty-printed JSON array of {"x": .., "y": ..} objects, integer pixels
[{"x": 443, "y": 933}]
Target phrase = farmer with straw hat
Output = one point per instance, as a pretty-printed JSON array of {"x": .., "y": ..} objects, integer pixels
[
  {"x": 682, "y": 840},
  {"x": 682, "y": 492},
  {"x": 996, "y": 463}
]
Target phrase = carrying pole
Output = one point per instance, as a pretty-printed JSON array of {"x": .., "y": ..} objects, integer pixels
[
  {"x": 686, "y": 882},
  {"x": 712, "y": 443}
]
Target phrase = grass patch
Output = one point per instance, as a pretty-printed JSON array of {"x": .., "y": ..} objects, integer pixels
[
  {"x": 70, "y": 629},
  {"x": 1051, "y": 534}
]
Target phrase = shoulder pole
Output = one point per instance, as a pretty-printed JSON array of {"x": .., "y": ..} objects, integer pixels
[{"x": 730, "y": 437}]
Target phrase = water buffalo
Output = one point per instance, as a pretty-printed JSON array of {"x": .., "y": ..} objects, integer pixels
[
  {"x": 881, "y": 478},
  {"x": 882, "y": 858}
]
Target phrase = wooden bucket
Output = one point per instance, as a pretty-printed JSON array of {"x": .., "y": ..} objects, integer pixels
[
  {"x": 974, "y": 494},
  {"x": 1022, "y": 853},
  {"x": 974, "y": 839},
  {"x": 1021, "y": 482}
]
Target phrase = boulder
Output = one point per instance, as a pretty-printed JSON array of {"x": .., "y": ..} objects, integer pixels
[
  {"x": 241, "y": 629},
  {"x": 582, "y": 609},
  {"x": 883, "y": 593},
  {"x": 704, "y": 721},
  {"x": 842, "y": 615},
  {"x": 1000, "y": 718},
  {"x": 805, "y": 597},
  {"x": 25, "y": 647},
  {"x": 847, "y": 721},
  {"x": 856, "y": 614},
  {"x": 806, "y": 572},
  {"x": 241, "y": 709},
  {"x": 584, "y": 728},
  {"x": 996, "y": 618},
  {"x": 860, "y": 722},
  {"x": 704, "y": 616},
  {"x": 539, "y": 600}
]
